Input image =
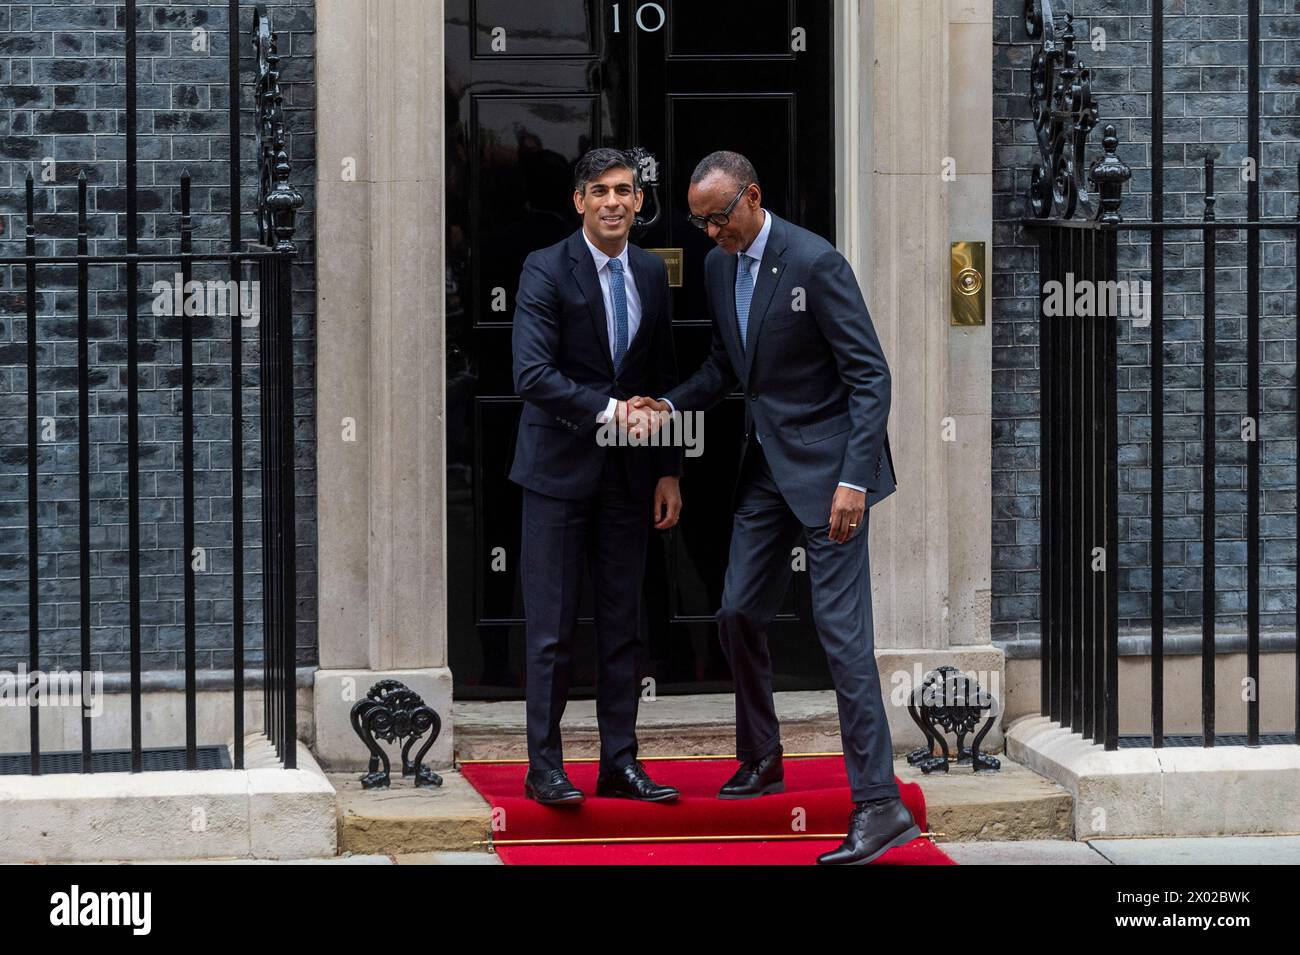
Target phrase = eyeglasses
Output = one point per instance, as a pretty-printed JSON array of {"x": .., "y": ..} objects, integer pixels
[{"x": 717, "y": 218}]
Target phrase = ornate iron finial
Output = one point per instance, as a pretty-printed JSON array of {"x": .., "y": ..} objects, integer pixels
[
  {"x": 277, "y": 201},
  {"x": 1108, "y": 175},
  {"x": 392, "y": 711},
  {"x": 1064, "y": 113},
  {"x": 949, "y": 701}
]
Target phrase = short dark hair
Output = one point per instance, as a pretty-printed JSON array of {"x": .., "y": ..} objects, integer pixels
[
  {"x": 733, "y": 165},
  {"x": 596, "y": 162}
]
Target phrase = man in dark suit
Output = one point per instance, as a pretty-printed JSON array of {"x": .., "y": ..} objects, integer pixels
[
  {"x": 592, "y": 327},
  {"x": 790, "y": 326}
]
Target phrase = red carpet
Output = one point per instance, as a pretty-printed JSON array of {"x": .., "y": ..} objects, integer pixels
[{"x": 816, "y": 786}]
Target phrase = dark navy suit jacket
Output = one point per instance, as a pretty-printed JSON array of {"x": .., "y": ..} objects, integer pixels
[
  {"x": 815, "y": 380},
  {"x": 564, "y": 371}
]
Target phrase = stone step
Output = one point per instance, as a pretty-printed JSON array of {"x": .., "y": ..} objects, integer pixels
[
  {"x": 1013, "y": 804},
  {"x": 261, "y": 811},
  {"x": 699, "y": 725},
  {"x": 404, "y": 820},
  {"x": 693, "y": 725}
]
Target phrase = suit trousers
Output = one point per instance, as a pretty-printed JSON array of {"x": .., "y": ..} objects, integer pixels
[
  {"x": 764, "y": 533},
  {"x": 605, "y": 533}
]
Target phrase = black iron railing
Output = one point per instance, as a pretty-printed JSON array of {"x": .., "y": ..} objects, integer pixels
[
  {"x": 1078, "y": 363},
  {"x": 1079, "y": 512},
  {"x": 269, "y": 264}
]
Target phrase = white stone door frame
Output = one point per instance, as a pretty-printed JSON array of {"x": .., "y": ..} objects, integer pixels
[
  {"x": 381, "y": 506},
  {"x": 913, "y": 88},
  {"x": 914, "y": 99}
]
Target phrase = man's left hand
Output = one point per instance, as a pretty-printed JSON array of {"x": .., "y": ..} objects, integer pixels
[
  {"x": 846, "y": 513},
  {"x": 668, "y": 503}
]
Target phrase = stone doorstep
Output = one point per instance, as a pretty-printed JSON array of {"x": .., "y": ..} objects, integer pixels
[
  {"x": 691, "y": 725},
  {"x": 261, "y": 811},
  {"x": 1175, "y": 791},
  {"x": 1013, "y": 804},
  {"x": 405, "y": 819}
]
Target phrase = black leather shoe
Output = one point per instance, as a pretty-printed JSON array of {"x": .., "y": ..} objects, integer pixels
[
  {"x": 551, "y": 787},
  {"x": 874, "y": 828},
  {"x": 756, "y": 777},
  {"x": 631, "y": 782}
]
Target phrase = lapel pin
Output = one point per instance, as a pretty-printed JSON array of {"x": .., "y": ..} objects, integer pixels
[{"x": 774, "y": 269}]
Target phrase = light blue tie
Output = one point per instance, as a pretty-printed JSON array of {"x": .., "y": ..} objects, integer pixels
[
  {"x": 619, "y": 291},
  {"x": 744, "y": 292}
]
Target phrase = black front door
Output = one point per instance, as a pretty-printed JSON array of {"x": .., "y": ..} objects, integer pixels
[{"x": 530, "y": 87}]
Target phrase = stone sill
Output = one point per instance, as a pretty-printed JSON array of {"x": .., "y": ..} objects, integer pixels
[
  {"x": 152, "y": 681},
  {"x": 1176, "y": 644},
  {"x": 262, "y": 812}
]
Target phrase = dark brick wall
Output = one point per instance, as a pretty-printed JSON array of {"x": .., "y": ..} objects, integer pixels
[
  {"x": 62, "y": 99},
  {"x": 1205, "y": 99}
]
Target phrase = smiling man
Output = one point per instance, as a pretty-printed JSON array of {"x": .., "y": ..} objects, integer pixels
[
  {"x": 592, "y": 327},
  {"x": 791, "y": 328}
]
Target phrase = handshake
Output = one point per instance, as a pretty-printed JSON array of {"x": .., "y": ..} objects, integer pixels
[{"x": 641, "y": 417}]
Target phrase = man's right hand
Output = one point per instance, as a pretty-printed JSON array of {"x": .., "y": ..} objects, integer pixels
[
  {"x": 642, "y": 416},
  {"x": 636, "y": 421},
  {"x": 660, "y": 407}
]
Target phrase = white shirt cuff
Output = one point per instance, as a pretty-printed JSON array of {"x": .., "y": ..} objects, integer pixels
[
  {"x": 669, "y": 404},
  {"x": 608, "y": 413},
  {"x": 854, "y": 486}
]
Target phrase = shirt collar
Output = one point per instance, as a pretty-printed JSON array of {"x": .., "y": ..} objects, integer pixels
[
  {"x": 600, "y": 258},
  {"x": 755, "y": 250}
]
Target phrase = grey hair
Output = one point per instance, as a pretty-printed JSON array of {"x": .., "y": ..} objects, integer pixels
[{"x": 733, "y": 165}]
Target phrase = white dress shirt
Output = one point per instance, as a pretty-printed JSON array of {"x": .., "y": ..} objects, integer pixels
[
  {"x": 601, "y": 261},
  {"x": 752, "y": 257}
]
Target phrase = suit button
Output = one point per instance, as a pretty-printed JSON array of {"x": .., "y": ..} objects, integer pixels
[{"x": 753, "y": 396}]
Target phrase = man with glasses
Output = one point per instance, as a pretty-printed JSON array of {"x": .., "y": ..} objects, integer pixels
[{"x": 791, "y": 328}]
